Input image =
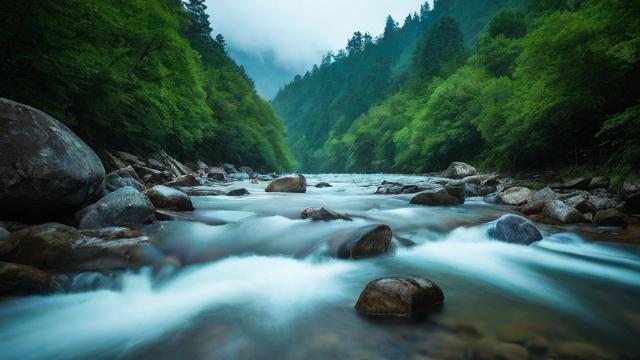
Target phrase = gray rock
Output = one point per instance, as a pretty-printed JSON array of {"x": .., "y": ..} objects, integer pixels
[
  {"x": 602, "y": 200},
  {"x": 514, "y": 229},
  {"x": 532, "y": 207},
  {"x": 457, "y": 189},
  {"x": 611, "y": 217},
  {"x": 399, "y": 297},
  {"x": 491, "y": 181},
  {"x": 164, "y": 197},
  {"x": 323, "y": 214},
  {"x": 239, "y": 176},
  {"x": 249, "y": 171},
  {"x": 123, "y": 207},
  {"x": 200, "y": 165},
  {"x": 323, "y": 184},
  {"x": 436, "y": 197},
  {"x": 516, "y": 195},
  {"x": 581, "y": 183},
  {"x": 475, "y": 179},
  {"x": 581, "y": 203},
  {"x": 459, "y": 170},
  {"x": 45, "y": 169},
  {"x": 545, "y": 194},
  {"x": 599, "y": 182},
  {"x": 18, "y": 279},
  {"x": 562, "y": 212},
  {"x": 366, "y": 242},
  {"x": 289, "y": 184},
  {"x": 631, "y": 184},
  {"x": 124, "y": 177},
  {"x": 238, "y": 192},
  {"x": 230, "y": 168}
]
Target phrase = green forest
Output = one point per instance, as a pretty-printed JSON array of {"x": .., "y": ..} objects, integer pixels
[
  {"x": 138, "y": 75},
  {"x": 502, "y": 84}
]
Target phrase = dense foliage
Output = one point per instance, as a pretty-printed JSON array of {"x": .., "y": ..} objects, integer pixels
[
  {"x": 546, "y": 83},
  {"x": 137, "y": 75}
]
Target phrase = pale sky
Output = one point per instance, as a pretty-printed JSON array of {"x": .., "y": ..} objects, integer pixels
[{"x": 301, "y": 31}]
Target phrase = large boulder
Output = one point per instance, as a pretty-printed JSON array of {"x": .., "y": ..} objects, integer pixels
[
  {"x": 436, "y": 197},
  {"x": 124, "y": 177},
  {"x": 54, "y": 246},
  {"x": 366, "y": 242},
  {"x": 399, "y": 297},
  {"x": 123, "y": 207},
  {"x": 516, "y": 195},
  {"x": 323, "y": 214},
  {"x": 459, "y": 170},
  {"x": 164, "y": 197},
  {"x": 457, "y": 189},
  {"x": 46, "y": 171},
  {"x": 562, "y": 212},
  {"x": 611, "y": 217},
  {"x": 290, "y": 184},
  {"x": 18, "y": 279},
  {"x": 514, "y": 229}
]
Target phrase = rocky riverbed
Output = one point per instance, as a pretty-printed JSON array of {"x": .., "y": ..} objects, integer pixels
[{"x": 120, "y": 255}]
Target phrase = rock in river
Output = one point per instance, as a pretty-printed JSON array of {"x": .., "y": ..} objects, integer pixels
[
  {"x": 290, "y": 184},
  {"x": 399, "y": 297},
  {"x": 459, "y": 170},
  {"x": 164, "y": 197},
  {"x": 366, "y": 242},
  {"x": 45, "y": 169},
  {"x": 516, "y": 195},
  {"x": 18, "y": 279},
  {"x": 123, "y": 207},
  {"x": 238, "y": 192},
  {"x": 610, "y": 217},
  {"x": 514, "y": 229},
  {"x": 323, "y": 214},
  {"x": 436, "y": 197},
  {"x": 562, "y": 212}
]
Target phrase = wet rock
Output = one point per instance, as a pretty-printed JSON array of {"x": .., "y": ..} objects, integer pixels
[
  {"x": 475, "y": 179},
  {"x": 229, "y": 168},
  {"x": 185, "y": 180},
  {"x": 4, "y": 234},
  {"x": 546, "y": 194},
  {"x": 323, "y": 184},
  {"x": 123, "y": 207},
  {"x": 45, "y": 169},
  {"x": 323, "y": 214},
  {"x": 92, "y": 281},
  {"x": 150, "y": 175},
  {"x": 581, "y": 183},
  {"x": 289, "y": 184},
  {"x": 201, "y": 190},
  {"x": 155, "y": 164},
  {"x": 632, "y": 202},
  {"x": 562, "y": 212},
  {"x": 200, "y": 165},
  {"x": 581, "y": 203},
  {"x": 602, "y": 200},
  {"x": 578, "y": 351},
  {"x": 532, "y": 207},
  {"x": 163, "y": 215},
  {"x": 238, "y": 192},
  {"x": 239, "y": 176},
  {"x": 457, "y": 189},
  {"x": 399, "y": 297},
  {"x": 389, "y": 188},
  {"x": 164, "y": 269},
  {"x": 459, "y": 170},
  {"x": 249, "y": 171},
  {"x": 491, "y": 181},
  {"x": 516, "y": 195},
  {"x": 611, "y": 217},
  {"x": 112, "y": 233},
  {"x": 18, "y": 279},
  {"x": 496, "y": 350},
  {"x": 124, "y": 177},
  {"x": 366, "y": 242},
  {"x": 478, "y": 190},
  {"x": 599, "y": 182},
  {"x": 216, "y": 173},
  {"x": 514, "y": 229},
  {"x": 164, "y": 197},
  {"x": 436, "y": 197}
]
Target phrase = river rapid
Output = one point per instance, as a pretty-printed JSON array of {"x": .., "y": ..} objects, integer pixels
[{"x": 260, "y": 285}]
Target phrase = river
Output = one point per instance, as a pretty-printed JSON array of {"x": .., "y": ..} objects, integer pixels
[{"x": 262, "y": 286}]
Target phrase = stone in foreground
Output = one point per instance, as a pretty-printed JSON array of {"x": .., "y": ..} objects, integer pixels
[
  {"x": 323, "y": 214},
  {"x": 436, "y": 197},
  {"x": 459, "y": 170},
  {"x": 123, "y": 207},
  {"x": 289, "y": 184},
  {"x": 399, "y": 297},
  {"x": 45, "y": 169},
  {"x": 366, "y": 242},
  {"x": 514, "y": 229},
  {"x": 164, "y": 197}
]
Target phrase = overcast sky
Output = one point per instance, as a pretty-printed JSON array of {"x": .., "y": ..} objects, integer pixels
[{"x": 301, "y": 31}]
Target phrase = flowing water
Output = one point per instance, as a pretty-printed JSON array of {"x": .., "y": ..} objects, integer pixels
[{"x": 260, "y": 285}]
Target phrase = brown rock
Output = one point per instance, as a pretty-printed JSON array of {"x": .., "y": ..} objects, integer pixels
[
  {"x": 323, "y": 214},
  {"x": 399, "y": 297},
  {"x": 18, "y": 279},
  {"x": 184, "y": 180},
  {"x": 164, "y": 197},
  {"x": 366, "y": 242},
  {"x": 611, "y": 217},
  {"x": 289, "y": 184},
  {"x": 436, "y": 197}
]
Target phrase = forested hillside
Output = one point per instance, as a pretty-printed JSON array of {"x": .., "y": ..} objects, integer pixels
[
  {"x": 547, "y": 83},
  {"x": 323, "y": 104},
  {"x": 137, "y": 75}
]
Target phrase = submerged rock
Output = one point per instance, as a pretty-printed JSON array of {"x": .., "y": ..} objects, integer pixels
[
  {"x": 436, "y": 197},
  {"x": 323, "y": 184},
  {"x": 46, "y": 171},
  {"x": 323, "y": 214},
  {"x": 366, "y": 242},
  {"x": 289, "y": 184},
  {"x": 238, "y": 192},
  {"x": 562, "y": 212},
  {"x": 514, "y": 229},
  {"x": 516, "y": 195},
  {"x": 459, "y": 170},
  {"x": 399, "y": 297},
  {"x": 123, "y": 207},
  {"x": 164, "y": 197},
  {"x": 16, "y": 279},
  {"x": 611, "y": 217}
]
